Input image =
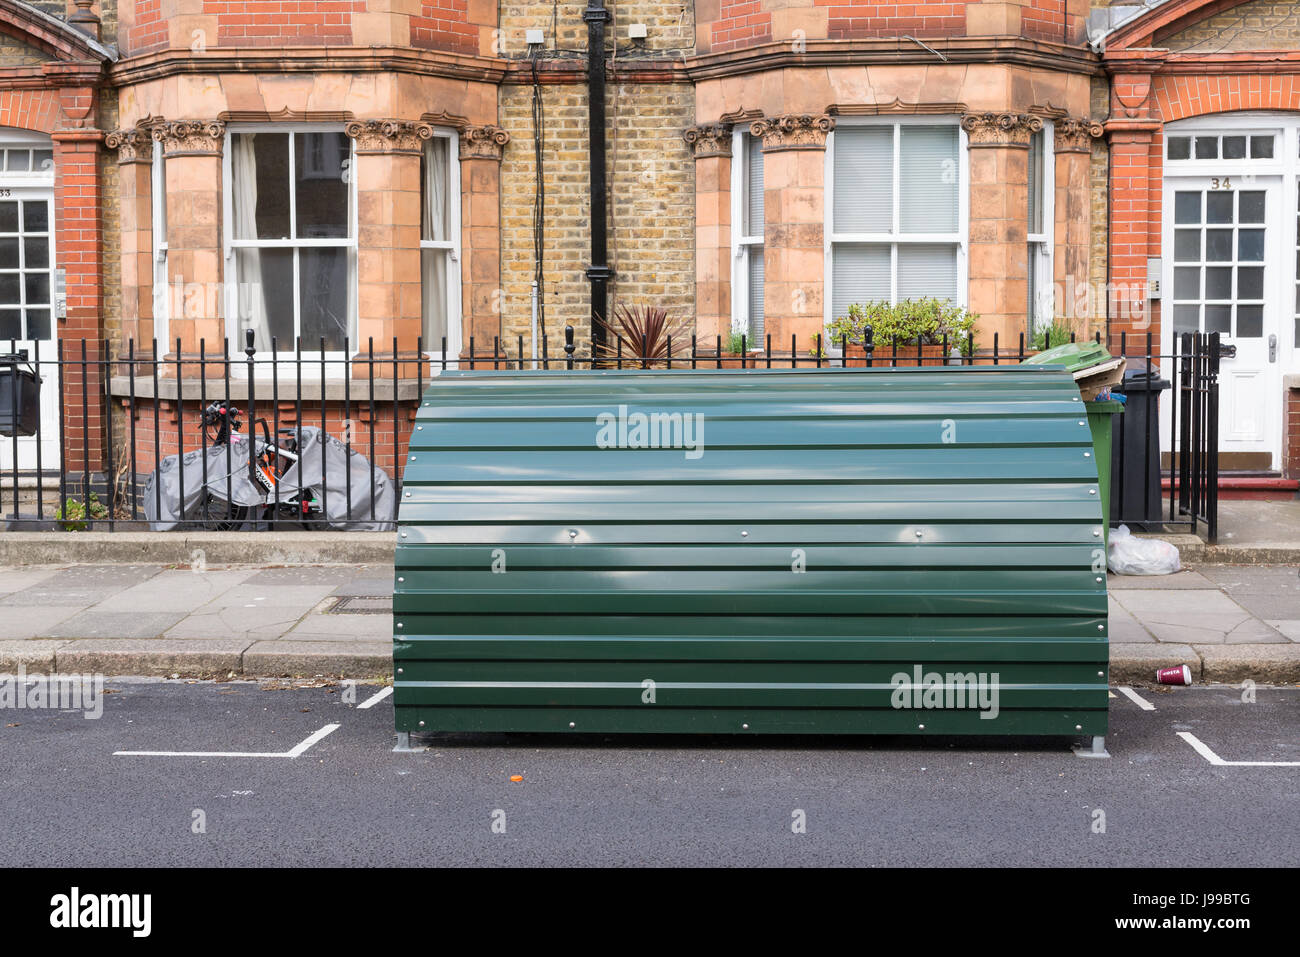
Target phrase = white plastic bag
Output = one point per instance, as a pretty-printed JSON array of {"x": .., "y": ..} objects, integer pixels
[{"x": 1128, "y": 555}]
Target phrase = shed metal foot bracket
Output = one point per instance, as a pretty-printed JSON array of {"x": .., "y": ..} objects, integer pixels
[
  {"x": 404, "y": 744},
  {"x": 1092, "y": 747}
]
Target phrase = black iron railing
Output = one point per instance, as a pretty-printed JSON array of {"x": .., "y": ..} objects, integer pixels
[{"x": 122, "y": 412}]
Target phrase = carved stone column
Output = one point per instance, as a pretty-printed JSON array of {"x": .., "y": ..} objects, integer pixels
[
  {"x": 1073, "y": 137},
  {"x": 711, "y": 145},
  {"x": 794, "y": 211},
  {"x": 481, "y": 150},
  {"x": 389, "y": 287},
  {"x": 192, "y": 150},
  {"x": 998, "y": 264},
  {"x": 135, "y": 168}
]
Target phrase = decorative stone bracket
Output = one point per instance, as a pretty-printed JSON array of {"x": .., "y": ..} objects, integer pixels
[
  {"x": 389, "y": 136},
  {"x": 709, "y": 139},
  {"x": 483, "y": 142},
  {"x": 1074, "y": 134},
  {"x": 795, "y": 131},
  {"x": 133, "y": 145},
  {"x": 1000, "y": 129},
  {"x": 190, "y": 137}
]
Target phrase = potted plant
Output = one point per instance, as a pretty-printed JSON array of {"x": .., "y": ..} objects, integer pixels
[
  {"x": 914, "y": 330},
  {"x": 643, "y": 337}
]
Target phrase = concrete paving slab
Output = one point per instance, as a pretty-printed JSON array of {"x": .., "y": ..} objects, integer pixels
[
  {"x": 1284, "y": 606},
  {"x": 1182, "y": 632},
  {"x": 248, "y": 595},
  {"x": 175, "y": 590},
  {"x": 1255, "y": 579},
  {"x": 343, "y": 628},
  {"x": 140, "y": 656},
  {"x": 81, "y": 585},
  {"x": 1123, "y": 627},
  {"x": 237, "y": 622},
  {"x": 1254, "y": 631},
  {"x": 1187, "y": 604},
  {"x": 1288, "y": 629},
  {"x": 14, "y": 579},
  {"x": 306, "y": 575},
  {"x": 23, "y": 622},
  {"x": 1263, "y": 663},
  {"x": 368, "y": 585},
  {"x": 115, "y": 624},
  {"x": 35, "y": 656},
  {"x": 1259, "y": 523},
  {"x": 1178, "y": 580},
  {"x": 1139, "y": 662},
  {"x": 354, "y": 659}
]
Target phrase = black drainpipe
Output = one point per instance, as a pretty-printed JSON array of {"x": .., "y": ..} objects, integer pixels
[{"x": 598, "y": 273}]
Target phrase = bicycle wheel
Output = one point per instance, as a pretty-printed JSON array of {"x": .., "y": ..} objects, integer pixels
[{"x": 218, "y": 515}]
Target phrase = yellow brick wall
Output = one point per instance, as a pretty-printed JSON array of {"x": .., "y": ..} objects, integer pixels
[
  {"x": 1260, "y": 25},
  {"x": 13, "y": 52},
  {"x": 650, "y": 172},
  {"x": 1100, "y": 204},
  {"x": 110, "y": 225}
]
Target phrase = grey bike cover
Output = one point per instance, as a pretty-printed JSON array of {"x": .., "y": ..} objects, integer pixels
[{"x": 323, "y": 466}]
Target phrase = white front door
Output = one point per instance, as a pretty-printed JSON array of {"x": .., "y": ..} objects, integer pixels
[
  {"x": 27, "y": 261},
  {"x": 1225, "y": 259},
  {"x": 27, "y": 322}
]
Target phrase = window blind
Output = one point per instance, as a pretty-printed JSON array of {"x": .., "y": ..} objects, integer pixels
[
  {"x": 864, "y": 179},
  {"x": 927, "y": 170}
]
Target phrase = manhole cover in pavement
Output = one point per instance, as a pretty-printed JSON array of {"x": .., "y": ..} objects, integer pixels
[{"x": 363, "y": 605}]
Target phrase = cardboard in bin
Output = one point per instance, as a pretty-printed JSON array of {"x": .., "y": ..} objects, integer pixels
[{"x": 1093, "y": 367}]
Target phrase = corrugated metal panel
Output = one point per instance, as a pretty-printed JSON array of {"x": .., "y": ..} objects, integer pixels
[{"x": 833, "y": 530}]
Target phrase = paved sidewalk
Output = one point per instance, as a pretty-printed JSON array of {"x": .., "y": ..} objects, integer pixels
[
  {"x": 154, "y": 620},
  {"x": 1229, "y": 623}
]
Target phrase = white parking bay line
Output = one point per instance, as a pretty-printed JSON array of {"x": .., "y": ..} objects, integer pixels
[
  {"x": 374, "y": 699},
  {"x": 296, "y": 751},
  {"x": 1136, "y": 698},
  {"x": 1204, "y": 751}
]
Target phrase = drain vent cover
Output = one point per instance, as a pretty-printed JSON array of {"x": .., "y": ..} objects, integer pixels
[{"x": 363, "y": 605}]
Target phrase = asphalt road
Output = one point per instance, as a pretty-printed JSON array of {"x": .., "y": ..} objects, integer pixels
[{"x": 67, "y": 800}]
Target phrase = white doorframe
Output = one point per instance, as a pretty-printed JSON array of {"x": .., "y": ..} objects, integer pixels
[
  {"x": 27, "y": 179},
  {"x": 1251, "y": 399}
]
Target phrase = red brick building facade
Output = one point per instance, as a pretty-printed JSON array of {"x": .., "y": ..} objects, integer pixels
[{"x": 361, "y": 174}]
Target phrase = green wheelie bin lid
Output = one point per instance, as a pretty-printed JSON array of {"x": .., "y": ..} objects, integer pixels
[{"x": 1073, "y": 355}]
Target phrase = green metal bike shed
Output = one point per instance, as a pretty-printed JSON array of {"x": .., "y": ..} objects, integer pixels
[{"x": 752, "y": 551}]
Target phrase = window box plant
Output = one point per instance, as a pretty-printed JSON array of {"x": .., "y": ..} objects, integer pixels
[{"x": 914, "y": 330}]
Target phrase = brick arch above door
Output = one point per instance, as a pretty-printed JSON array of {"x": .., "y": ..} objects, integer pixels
[{"x": 1183, "y": 96}]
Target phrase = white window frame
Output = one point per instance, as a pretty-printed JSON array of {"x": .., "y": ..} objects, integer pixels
[
  {"x": 455, "y": 334},
  {"x": 230, "y": 244},
  {"x": 743, "y": 247},
  {"x": 961, "y": 238},
  {"x": 1042, "y": 292},
  {"x": 1220, "y": 124},
  {"x": 18, "y": 140},
  {"x": 158, "y": 234},
  {"x": 32, "y": 185}
]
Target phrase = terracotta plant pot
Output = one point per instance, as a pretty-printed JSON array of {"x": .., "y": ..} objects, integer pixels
[
  {"x": 728, "y": 360},
  {"x": 929, "y": 355}
]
